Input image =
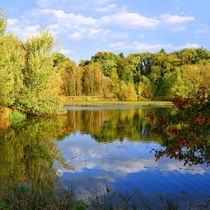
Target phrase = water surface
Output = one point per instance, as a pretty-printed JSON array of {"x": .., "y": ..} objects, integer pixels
[{"x": 99, "y": 148}]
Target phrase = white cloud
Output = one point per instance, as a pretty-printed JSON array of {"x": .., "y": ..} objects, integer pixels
[
  {"x": 142, "y": 47},
  {"x": 24, "y": 31},
  {"x": 112, "y": 27},
  {"x": 79, "y": 27},
  {"x": 68, "y": 18},
  {"x": 12, "y": 22},
  {"x": 138, "y": 46},
  {"x": 83, "y": 153},
  {"x": 187, "y": 45},
  {"x": 107, "y": 8},
  {"x": 88, "y": 33},
  {"x": 129, "y": 19},
  {"x": 105, "y": 27},
  {"x": 65, "y": 51},
  {"x": 176, "y": 19},
  {"x": 122, "y": 18}
]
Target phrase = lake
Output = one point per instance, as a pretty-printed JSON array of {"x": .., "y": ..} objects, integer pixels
[{"x": 105, "y": 150}]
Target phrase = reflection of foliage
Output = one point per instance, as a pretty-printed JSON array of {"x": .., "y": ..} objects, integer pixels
[
  {"x": 28, "y": 154},
  {"x": 109, "y": 125},
  {"x": 186, "y": 134}
]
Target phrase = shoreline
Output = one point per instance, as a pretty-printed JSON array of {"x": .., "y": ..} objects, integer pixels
[{"x": 121, "y": 103}]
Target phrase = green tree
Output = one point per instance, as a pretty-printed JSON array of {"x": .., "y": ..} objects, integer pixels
[
  {"x": 39, "y": 97},
  {"x": 193, "y": 56},
  {"x": 188, "y": 80},
  {"x": 125, "y": 70},
  {"x": 3, "y": 23},
  {"x": 108, "y": 60},
  {"x": 11, "y": 64}
]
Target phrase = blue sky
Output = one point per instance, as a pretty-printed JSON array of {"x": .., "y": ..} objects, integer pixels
[{"x": 83, "y": 27}]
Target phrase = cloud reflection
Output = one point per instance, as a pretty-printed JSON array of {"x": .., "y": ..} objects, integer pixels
[{"x": 120, "y": 158}]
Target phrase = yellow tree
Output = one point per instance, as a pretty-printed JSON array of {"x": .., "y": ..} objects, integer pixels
[{"x": 94, "y": 80}]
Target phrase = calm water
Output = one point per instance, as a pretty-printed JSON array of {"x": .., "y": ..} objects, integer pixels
[{"x": 99, "y": 148}]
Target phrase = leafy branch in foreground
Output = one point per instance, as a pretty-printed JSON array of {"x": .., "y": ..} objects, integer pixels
[{"x": 186, "y": 134}]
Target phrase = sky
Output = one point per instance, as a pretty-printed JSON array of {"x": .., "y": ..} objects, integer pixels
[{"x": 83, "y": 27}]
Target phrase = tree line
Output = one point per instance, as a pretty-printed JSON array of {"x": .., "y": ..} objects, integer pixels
[
  {"x": 34, "y": 78},
  {"x": 141, "y": 76}
]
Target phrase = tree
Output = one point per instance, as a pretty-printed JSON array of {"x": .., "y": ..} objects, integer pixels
[
  {"x": 193, "y": 56},
  {"x": 127, "y": 92},
  {"x": 145, "y": 88},
  {"x": 11, "y": 64},
  {"x": 188, "y": 80},
  {"x": 108, "y": 60},
  {"x": 93, "y": 80},
  {"x": 185, "y": 133},
  {"x": 59, "y": 58},
  {"x": 67, "y": 71},
  {"x": 125, "y": 70},
  {"x": 39, "y": 97},
  {"x": 3, "y": 23}
]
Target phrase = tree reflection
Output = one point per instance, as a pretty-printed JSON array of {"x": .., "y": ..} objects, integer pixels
[
  {"x": 110, "y": 125},
  {"x": 186, "y": 133},
  {"x": 28, "y": 154}
]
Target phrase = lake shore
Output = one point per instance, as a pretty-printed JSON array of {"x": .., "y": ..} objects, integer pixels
[{"x": 117, "y": 103}]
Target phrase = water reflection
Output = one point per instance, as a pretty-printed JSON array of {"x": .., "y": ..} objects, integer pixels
[
  {"x": 185, "y": 133},
  {"x": 109, "y": 125},
  {"x": 28, "y": 154},
  {"x": 95, "y": 149}
]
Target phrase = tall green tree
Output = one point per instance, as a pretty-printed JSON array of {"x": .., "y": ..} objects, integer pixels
[
  {"x": 11, "y": 64},
  {"x": 38, "y": 75},
  {"x": 108, "y": 60}
]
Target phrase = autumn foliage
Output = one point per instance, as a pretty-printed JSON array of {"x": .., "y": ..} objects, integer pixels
[{"x": 186, "y": 134}]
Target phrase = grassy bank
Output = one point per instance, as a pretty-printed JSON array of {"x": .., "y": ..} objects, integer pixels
[{"x": 118, "y": 103}]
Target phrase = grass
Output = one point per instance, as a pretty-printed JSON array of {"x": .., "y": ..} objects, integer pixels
[
  {"x": 16, "y": 117},
  {"x": 119, "y": 103},
  {"x": 25, "y": 197},
  {"x": 99, "y": 101}
]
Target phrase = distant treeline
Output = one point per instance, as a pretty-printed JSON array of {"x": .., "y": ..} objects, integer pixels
[
  {"x": 141, "y": 76},
  {"x": 34, "y": 78}
]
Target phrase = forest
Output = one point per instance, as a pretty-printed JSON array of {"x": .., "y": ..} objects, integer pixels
[{"x": 35, "y": 78}]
